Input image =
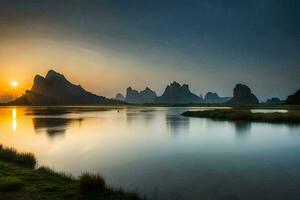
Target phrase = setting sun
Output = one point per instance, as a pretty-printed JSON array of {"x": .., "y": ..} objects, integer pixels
[{"x": 14, "y": 84}]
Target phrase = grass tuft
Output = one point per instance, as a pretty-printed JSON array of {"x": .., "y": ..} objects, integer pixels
[
  {"x": 91, "y": 182},
  {"x": 11, "y": 155},
  {"x": 51, "y": 172}
]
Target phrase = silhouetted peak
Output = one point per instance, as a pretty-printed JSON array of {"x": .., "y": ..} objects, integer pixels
[
  {"x": 129, "y": 88},
  {"x": 53, "y": 75},
  {"x": 119, "y": 97},
  {"x": 241, "y": 89},
  {"x": 56, "y": 89},
  {"x": 177, "y": 94},
  {"x": 144, "y": 96},
  {"x": 38, "y": 79},
  {"x": 185, "y": 86},
  {"x": 175, "y": 84},
  {"x": 147, "y": 89},
  {"x": 242, "y": 95},
  {"x": 211, "y": 95}
]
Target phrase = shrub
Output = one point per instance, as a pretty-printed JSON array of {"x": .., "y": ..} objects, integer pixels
[
  {"x": 91, "y": 182},
  {"x": 11, "y": 155}
]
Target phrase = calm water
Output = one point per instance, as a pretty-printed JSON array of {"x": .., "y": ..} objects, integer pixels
[{"x": 158, "y": 153}]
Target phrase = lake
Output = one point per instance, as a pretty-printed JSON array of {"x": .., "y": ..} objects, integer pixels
[{"x": 160, "y": 154}]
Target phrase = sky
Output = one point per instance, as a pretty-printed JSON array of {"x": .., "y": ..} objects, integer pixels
[{"x": 108, "y": 45}]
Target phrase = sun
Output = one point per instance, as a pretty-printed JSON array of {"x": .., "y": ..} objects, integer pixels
[{"x": 14, "y": 84}]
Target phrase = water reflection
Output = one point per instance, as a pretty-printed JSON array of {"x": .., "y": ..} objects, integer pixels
[
  {"x": 59, "y": 110},
  {"x": 242, "y": 129},
  {"x": 14, "y": 119},
  {"x": 177, "y": 124},
  {"x": 139, "y": 116},
  {"x": 53, "y": 126}
]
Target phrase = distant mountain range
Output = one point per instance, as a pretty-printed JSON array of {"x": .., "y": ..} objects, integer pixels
[
  {"x": 173, "y": 94},
  {"x": 211, "y": 97},
  {"x": 56, "y": 89},
  {"x": 145, "y": 96},
  {"x": 274, "y": 100},
  {"x": 181, "y": 94}
]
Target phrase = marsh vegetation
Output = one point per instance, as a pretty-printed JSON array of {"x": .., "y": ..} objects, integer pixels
[{"x": 292, "y": 116}]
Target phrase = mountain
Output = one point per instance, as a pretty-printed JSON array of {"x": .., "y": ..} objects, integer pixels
[
  {"x": 242, "y": 95},
  {"x": 119, "y": 97},
  {"x": 211, "y": 97},
  {"x": 56, "y": 89},
  {"x": 274, "y": 100},
  {"x": 145, "y": 96},
  {"x": 294, "y": 98},
  {"x": 177, "y": 94}
]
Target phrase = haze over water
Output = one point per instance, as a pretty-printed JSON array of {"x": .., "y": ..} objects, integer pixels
[{"x": 159, "y": 153}]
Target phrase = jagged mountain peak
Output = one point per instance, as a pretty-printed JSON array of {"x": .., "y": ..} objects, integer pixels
[
  {"x": 145, "y": 96},
  {"x": 53, "y": 75},
  {"x": 177, "y": 94},
  {"x": 147, "y": 89},
  {"x": 174, "y": 84},
  {"x": 242, "y": 94},
  {"x": 56, "y": 89}
]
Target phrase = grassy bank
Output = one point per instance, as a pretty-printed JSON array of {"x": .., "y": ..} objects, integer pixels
[
  {"x": 246, "y": 115},
  {"x": 20, "y": 180}
]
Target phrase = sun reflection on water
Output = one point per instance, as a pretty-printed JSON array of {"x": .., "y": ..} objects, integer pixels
[{"x": 14, "y": 119}]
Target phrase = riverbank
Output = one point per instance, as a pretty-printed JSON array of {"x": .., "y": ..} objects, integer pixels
[
  {"x": 20, "y": 180},
  {"x": 246, "y": 115}
]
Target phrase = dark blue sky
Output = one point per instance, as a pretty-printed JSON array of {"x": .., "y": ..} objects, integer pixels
[{"x": 210, "y": 44}]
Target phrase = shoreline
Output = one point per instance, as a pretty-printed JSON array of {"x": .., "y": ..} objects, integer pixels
[{"x": 19, "y": 179}]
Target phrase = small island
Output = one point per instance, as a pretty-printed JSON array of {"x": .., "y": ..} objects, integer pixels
[{"x": 246, "y": 115}]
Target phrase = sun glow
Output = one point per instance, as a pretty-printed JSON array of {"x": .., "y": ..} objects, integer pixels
[{"x": 14, "y": 84}]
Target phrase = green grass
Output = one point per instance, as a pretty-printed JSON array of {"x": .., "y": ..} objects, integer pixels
[
  {"x": 18, "y": 181},
  {"x": 91, "y": 182},
  {"x": 246, "y": 115},
  {"x": 10, "y": 183},
  {"x": 11, "y": 155}
]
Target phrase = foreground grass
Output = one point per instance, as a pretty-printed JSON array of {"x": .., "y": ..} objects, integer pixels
[
  {"x": 246, "y": 115},
  {"x": 22, "y": 181},
  {"x": 11, "y": 155}
]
